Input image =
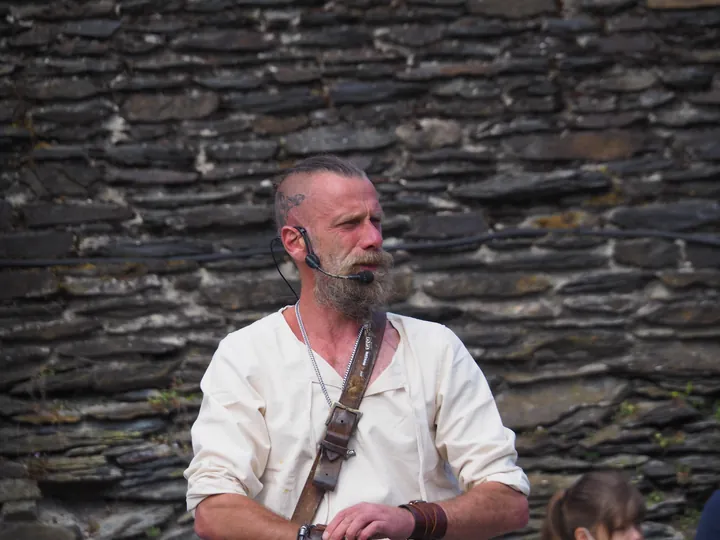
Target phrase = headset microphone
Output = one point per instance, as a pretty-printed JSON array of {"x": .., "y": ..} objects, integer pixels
[{"x": 312, "y": 260}]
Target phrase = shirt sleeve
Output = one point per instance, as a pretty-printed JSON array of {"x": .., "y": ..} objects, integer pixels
[
  {"x": 230, "y": 438},
  {"x": 469, "y": 431}
]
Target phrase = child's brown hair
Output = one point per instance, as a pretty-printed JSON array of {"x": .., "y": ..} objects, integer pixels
[{"x": 598, "y": 499}]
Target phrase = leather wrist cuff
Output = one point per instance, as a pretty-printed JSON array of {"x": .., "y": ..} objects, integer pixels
[{"x": 430, "y": 520}]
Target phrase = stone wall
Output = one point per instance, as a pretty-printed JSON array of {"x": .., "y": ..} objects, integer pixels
[{"x": 139, "y": 137}]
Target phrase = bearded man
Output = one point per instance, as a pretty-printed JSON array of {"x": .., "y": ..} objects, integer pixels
[{"x": 426, "y": 456}]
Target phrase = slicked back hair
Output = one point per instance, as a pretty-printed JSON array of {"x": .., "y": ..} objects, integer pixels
[{"x": 312, "y": 165}]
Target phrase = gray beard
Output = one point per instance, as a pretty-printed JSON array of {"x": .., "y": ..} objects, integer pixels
[{"x": 355, "y": 300}]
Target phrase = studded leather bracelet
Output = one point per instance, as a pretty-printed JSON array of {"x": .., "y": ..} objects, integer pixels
[{"x": 430, "y": 520}]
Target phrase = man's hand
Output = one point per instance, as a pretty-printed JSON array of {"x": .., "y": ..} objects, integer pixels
[{"x": 365, "y": 521}]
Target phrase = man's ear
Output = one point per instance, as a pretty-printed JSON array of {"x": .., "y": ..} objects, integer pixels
[{"x": 293, "y": 242}]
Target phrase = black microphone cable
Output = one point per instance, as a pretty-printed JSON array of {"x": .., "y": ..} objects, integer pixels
[{"x": 277, "y": 266}]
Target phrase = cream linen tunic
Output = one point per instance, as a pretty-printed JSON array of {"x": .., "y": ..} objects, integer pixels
[{"x": 430, "y": 427}]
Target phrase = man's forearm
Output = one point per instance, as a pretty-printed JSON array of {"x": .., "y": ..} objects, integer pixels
[
  {"x": 235, "y": 517},
  {"x": 488, "y": 510}
]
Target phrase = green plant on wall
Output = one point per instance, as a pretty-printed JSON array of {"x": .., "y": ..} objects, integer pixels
[
  {"x": 625, "y": 410},
  {"x": 655, "y": 497},
  {"x": 664, "y": 441}
]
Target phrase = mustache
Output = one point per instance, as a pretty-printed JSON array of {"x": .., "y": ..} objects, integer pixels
[{"x": 381, "y": 259}]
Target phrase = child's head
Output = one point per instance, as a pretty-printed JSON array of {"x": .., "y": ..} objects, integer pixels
[{"x": 599, "y": 506}]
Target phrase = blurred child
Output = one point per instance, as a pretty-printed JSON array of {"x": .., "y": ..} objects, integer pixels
[{"x": 599, "y": 506}]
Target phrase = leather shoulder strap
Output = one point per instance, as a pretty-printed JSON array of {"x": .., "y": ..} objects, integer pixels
[{"x": 341, "y": 424}]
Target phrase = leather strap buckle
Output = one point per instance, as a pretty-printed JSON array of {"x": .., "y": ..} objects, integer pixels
[{"x": 337, "y": 405}]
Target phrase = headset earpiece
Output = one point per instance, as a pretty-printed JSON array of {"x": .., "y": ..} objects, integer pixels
[{"x": 312, "y": 260}]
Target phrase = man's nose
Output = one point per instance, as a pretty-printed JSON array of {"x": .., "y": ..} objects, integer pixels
[{"x": 371, "y": 236}]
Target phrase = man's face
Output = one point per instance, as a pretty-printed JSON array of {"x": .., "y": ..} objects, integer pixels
[{"x": 347, "y": 236}]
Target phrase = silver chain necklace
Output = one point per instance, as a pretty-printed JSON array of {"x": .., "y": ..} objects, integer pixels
[{"x": 368, "y": 346}]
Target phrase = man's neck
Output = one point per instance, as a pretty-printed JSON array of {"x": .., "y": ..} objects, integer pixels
[{"x": 326, "y": 323}]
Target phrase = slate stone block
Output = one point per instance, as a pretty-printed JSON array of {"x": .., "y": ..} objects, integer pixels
[
  {"x": 608, "y": 121},
  {"x": 49, "y": 331},
  {"x": 512, "y": 10},
  {"x": 135, "y": 521},
  {"x": 283, "y": 102},
  {"x": 709, "y": 150},
  {"x": 679, "y": 216},
  {"x": 230, "y": 81},
  {"x": 680, "y": 314},
  {"x": 598, "y": 146},
  {"x": 711, "y": 97},
  {"x": 162, "y": 107},
  {"x": 606, "y": 7},
  {"x": 62, "y": 152},
  {"x": 149, "y": 177},
  {"x": 340, "y": 138},
  {"x": 175, "y": 155},
  {"x": 685, "y": 116},
  {"x": 428, "y": 134},
  {"x": 696, "y": 279},
  {"x": 75, "y": 66},
  {"x": 358, "y": 92},
  {"x": 79, "y": 47},
  {"x": 167, "y": 60},
  {"x": 634, "y": 45},
  {"x": 447, "y": 226},
  {"x": 687, "y": 78},
  {"x": 46, "y": 214},
  {"x": 647, "y": 253},
  {"x": 224, "y": 40},
  {"x": 243, "y": 294},
  {"x": 676, "y": 359},
  {"x": 37, "y": 531},
  {"x": 53, "y": 180},
  {"x": 242, "y": 151},
  {"x": 109, "y": 286},
  {"x": 118, "y": 346},
  {"x": 575, "y": 25},
  {"x": 39, "y": 245},
  {"x": 14, "y": 511},
  {"x": 546, "y": 404},
  {"x": 30, "y": 284},
  {"x": 6, "y": 219},
  {"x": 431, "y": 71},
  {"x": 525, "y": 186},
  {"x": 69, "y": 88},
  {"x": 273, "y": 125},
  {"x": 86, "y": 112},
  {"x": 607, "y": 282},
  {"x": 681, "y": 4},
  {"x": 202, "y": 217},
  {"x": 136, "y": 43},
  {"x": 341, "y": 37},
  {"x": 703, "y": 256},
  {"x": 18, "y": 489},
  {"x": 486, "y": 285},
  {"x": 100, "y": 8},
  {"x": 38, "y": 36}
]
